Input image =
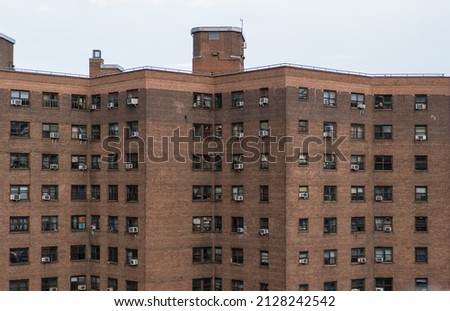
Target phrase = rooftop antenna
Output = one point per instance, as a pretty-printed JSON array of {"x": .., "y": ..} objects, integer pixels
[{"x": 242, "y": 26}]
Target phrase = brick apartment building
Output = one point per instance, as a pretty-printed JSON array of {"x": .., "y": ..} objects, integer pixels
[{"x": 278, "y": 178}]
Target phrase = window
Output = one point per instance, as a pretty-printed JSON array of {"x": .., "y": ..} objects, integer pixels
[
  {"x": 78, "y": 222},
  {"x": 50, "y": 252},
  {"x": 303, "y": 257},
  {"x": 358, "y": 160},
  {"x": 201, "y": 193},
  {"x": 113, "y": 100},
  {"x": 421, "y": 193},
  {"x": 132, "y": 98},
  {"x": 357, "y": 131},
  {"x": 19, "y": 224},
  {"x": 358, "y": 284},
  {"x": 420, "y": 132},
  {"x": 131, "y": 285},
  {"x": 237, "y": 99},
  {"x": 329, "y": 161},
  {"x": 303, "y": 287},
  {"x": 357, "y": 253},
  {"x": 112, "y": 284},
  {"x": 78, "y": 192},
  {"x": 357, "y": 193},
  {"x": 237, "y": 224},
  {"x": 95, "y": 282},
  {"x": 19, "y": 192},
  {"x": 95, "y": 252},
  {"x": 303, "y": 126},
  {"x": 113, "y": 160},
  {"x": 237, "y": 255},
  {"x": 264, "y": 258},
  {"x": 329, "y": 98},
  {"x": 303, "y": 224},
  {"x": 113, "y": 224},
  {"x": 79, "y": 102},
  {"x": 132, "y": 129},
  {"x": 237, "y": 285},
  {"x": 133, "y": 159},
  {"x": 330, "y": 225},
  {"x": 202, "y": 131},
  {"x": 385, "y": 283},
  {"x": 95, "y": 131},
  {"x": 329, "y": 193},
  {"x": 218, "y": 254},
  {"x": 77, "y": 252},
  {"x": 76, "y": 281},
  {"x": 202, "y": 101},
  {"x": 95, "y": 161},
  {"x": 218, "y": 101},
  {"x": 49, "y": 192},
  {"x": 303, "y": 93},
  {"x": 49, "y": 223},
  {"x": 329, "y": 129},
  {"x": 19, "y": 160},
  {"x": 264, "y": 223},
  {"x": 421, "y": 284},
  {"x": 18, "y": 256},
  {"x": 113, "y": 192},
  {"x": 237, "y": 193},
  {"x": 218, "y": 223},
  {"x": 132, "y": 193},
  {"x": 420, "y": 162},
  {"x": 20, "y": 98},
  {"x": 48, "y": 129},
  {"x": 383, "y": 223},
  {"x": 303, "y": 159},
  {"x": 329, "y": 257},
  {"x": 383, "y": 193},
  {"x": 201, "y": 284},
  {"x": 358, "y": 224},
  {"x": 264, "y": 193},
  {"x": 96, "y": 102},
  {"x": 130, "y": 254},
  {"x": 383, "y": 131},
  {"x": 202, "y": 223},
  {"x": 113, "y": 130},
  {"x": 48, "y": 283},
  {"x": 264, "y": 161},
  {"x": 50, "y": 161},
  {"x": 202, "y": 254},
  {"x": 420, "y": 102},
  {"x": 263, "y": 287},
  {"x": 79, "y": 132},
  {"x": 421, "y": 254},
  {"x": 113, "y": 255},
  {"x": 357, "y": 101},
  {"x": 18, "y": 285},
  {"x": 263, "y": 126},
  {"x": 237, "y": 130},
  {"x": 383, "y": 163},
  {"x": 330, "y": 286},
  {"x": 131, "y": 222},
  {"x": 218, "y": 193},
  {"x": 421, "y": 223},
  {"x": 383, "y": 102},
  {"x": 95, "y": 222},
  {"x": 20, "y": 129},
  {"x": 78, "y": 161},
  {"x": 383, "y": 254}
]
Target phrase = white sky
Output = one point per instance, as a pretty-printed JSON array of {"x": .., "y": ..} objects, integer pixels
[{"x": 370, "y": 36}]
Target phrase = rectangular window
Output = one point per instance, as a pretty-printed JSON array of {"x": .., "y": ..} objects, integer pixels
[
  {"x": 130, "y": 256},
  {"x": 303, "y": 126},
  {"x": 237, "y": 224},
  {"x": 303, "y": 159},
  {"x": 218, "y": 101},
  {"x": 383, "y": 132},
  {"x": 201, "y": 284},
  {"x": 133, "y": 159},
  {"x": 237, "y": 130},
  {"x": 358, "y": 284},
  {"x": 264, "y": 193},
  {"x": 76, "y": 281},
  {"x": 329, "y": 129},
  {"x": 79, "y": 132},
  {"x": 420, "y": 102},
  {"x": 132, "y": 129},
  {"x": 303, "y": 224},
  {"x": 132, "y": 193},
  {"x": 95, "y": 223},
  {"x": 48, "y": 284},
  {"x": 79, "y": 102},
  {"x": 303, "y": 257},
  {"x": 329, "y": 98},
  {"x": 383, "y": 163},
  {"x": 20, "y": 98},
  {"x": 19, "y": 192},
  {"x": 202, "y": 223},
  {"x": 383, "y": 254},
  {"x": 329, "y": 193},
  {"x": 49, "y": 254},
  {"x": 95, "y": 252},
  {"x": 202, "y": 254},
  {"x": 96, "y": 102},
  {"x": 18, "y": 256},
  {"x": 112, "y": 284},
  {"x": 20, "y": 129},
  {"x": 358, "y": 224},
  {"x": 113, "y": 160},
  {"x": 303, "y": 287},
  {"x": 383, "y": 102},
  {"x": 78, "y": 162},
  {"x": 358, "y": 160},
  {"x": 330, "y": 257},
  {"x": 218, "y": 223},
  {"x": 329, "y": 161},
  {"x": 50, "y": 130},
  {"x": 49, "y": 223},
  {"x": 19, "y": 224},
  {"x": 421, "y": 193},
  {"x": 113, "y": 100},
  {"x": 95, "y": 131},
  {"x": 357, "y": 254},
  {"x": 421, "y": 284},
  {"x": 49, "y": 192},
  {"x": 264, "y": 258},
  {"x": 264, "y": 161},
  {"x": 303, "y": 93},
  {"x": 383, "y": 223},
  {"x": 202, "y": 131},
  {"x": 202, "y": 100},
  {"x": 357, "y": 193},
  {"x": 96, "y": 159},
  {"x": 421, "y": 254},
  {"x": 237, "y": 193},
  {"x": 50, "y": 161},
  {"x": 18, "y": 285},
  {"x": 78, "y": 192},
  {"x": 113, "y": 224},
  {"x": 357, "y": 101},
  {"x": 113, "y": 255},
  {"x": 113, "y": 130},
  {"x": 78, "y": 222},
  {"x": 421, "y": 162},
  {"x": 357, "y": 131},
  {"x": 131, "y": 285},
  {"x": 19, "y": 160},
  {"x": 113, "y": 192},
  {"x": 237, "y": 285},
  {"x": 420, "y": 132},
  {"x": 421, "y": 223},
  {"x": 218, "y": 193},
  {"x": 237, "y": 99},
  {"x": 383, "y": 193},
  {"x": 131, "y": 222},
  {"x": 330, "y": 225},
  {"x": 201, "y": 193},
  {"x": 95, "y": 282},
  {"x": 77, "y": 252},
  {"x": 237, "y": 256}
]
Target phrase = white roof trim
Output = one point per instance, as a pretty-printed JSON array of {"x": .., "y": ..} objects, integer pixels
[{"x": 5, "y": 37}]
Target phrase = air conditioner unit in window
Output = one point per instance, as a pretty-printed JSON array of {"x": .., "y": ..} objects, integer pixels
[
  {"x": 421, "y": 106},
  {"x": 128, "y": 166},
  {"x": 263, "y": 231},
  {"x": 263, "y": 133},
  {"x": 303, "y": 261},
  {"x": 132, "y": 101},
  {"x": 110, "y": 105},
  {"x": 82, "y": 167},
  {"x": 239, "y": 135},
  {"x": 302, "y": 228},
  {"x": 354, "y": 167},
  {"x": 361, "y": 106},
  {"x": 45, "y": 259},
  {"x": 82, "y": 137},
  {"x": 54, "y": 166},
  {"x": 379, "y": 259},
  {"x": 238, "y": 166},
  {"x": 133, "y": 262},
  {"x": 134, "y": 134},
  {"x": 239, "y": 103},
  {"x": 54, "y": 135},
  {"x": 327, "y": 134},
  {"x": 46, "y": 197},
  {"x": 53, "y": 289},
  {"x": 133, "y": 229},
  {"x": 16, "y": 102},
  {"x": 93, "y": 107},
  {"x": 82, "y": 287},
  {"x": 421, "y": 137},
  {"x": 355, "y": 290},
  {"x": 362, "y": 260},
  {"x": 110, "y": 289},
  {"x": 379, "y": 289},
  {"x": 387, "y": 229},
  {"x": 240, "y": 230},
  {"x": 379, "y": 198},
  {"x": 263, "y": 101},
  {"x": 14, "y": 197},
  {"x": 238, "y": 198},
  {"x": 303, "y": 195}
]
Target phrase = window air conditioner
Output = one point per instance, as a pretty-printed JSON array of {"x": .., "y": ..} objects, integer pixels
[
  {"x": 46, "y": 197},
  {"x": 133, "y": 229},
  {"x": 54, "y": 166},
  {"x": 303, "y": 261},
  {"x": 263, "y": 231},
  {"x": 354, "y": 167},
  {"x": 421, "y": 137},
  {"x": 82, "y": 167},
  {"x": 81, "y": 287},
  {"x": 263, "y": 101},
  {"x": 239, "y": 103},
  {"x": 82, "y": 137},
  {"x": 93, "y": 107},
  {"x": 240, "y": 230},
  {"x": 128, "y": 166},
  {"x": 110, "y": 289},
  {"x": 111, "y": 105},
  {"x": 361, "y": 106},
  {"x": 379, "y": 259},
  {"x": 387, "y": 229},
  {"x": 53, "y": 289},
  {"x": 303, "y": 195},
  {"x": 362, "y": 260},
  {"x": 54, "y": 135},
  {"x": 302, "y": 228},
  {"x": 238, "y": 198},
  {"x": 239, "y": 135},
  {"x": 379, "y": 198},
  {"x": 134, "y": 134},
  {"x": 132, "y": 101},
  {"x": 379, "y": 289},
  {"x": 45, "y": 259},
  {"x": 263, "y": 133},
  {"x": 14, "y": 197},
  {"x": 355, "y": 290},
  {"x": 16, "y": 102},
  {"x": 238, "y": 166},
  {"x": 133, "y": 262},
  {"x": 421, "y": 106},
  {"x": 327, "y": 134}
]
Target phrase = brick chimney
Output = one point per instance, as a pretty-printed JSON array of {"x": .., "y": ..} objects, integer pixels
[
  {"x": 6, "y": 51},
  {"x": 97, "y": 68},
  {"x": 218, "y": 49}
]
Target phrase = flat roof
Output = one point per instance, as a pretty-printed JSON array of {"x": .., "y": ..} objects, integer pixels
[
  {"x": 5, "y": 37},
  {"x": 216, "y": 28}
]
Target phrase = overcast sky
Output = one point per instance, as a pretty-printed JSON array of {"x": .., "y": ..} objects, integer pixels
[{"x": 381, "y": 36}]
